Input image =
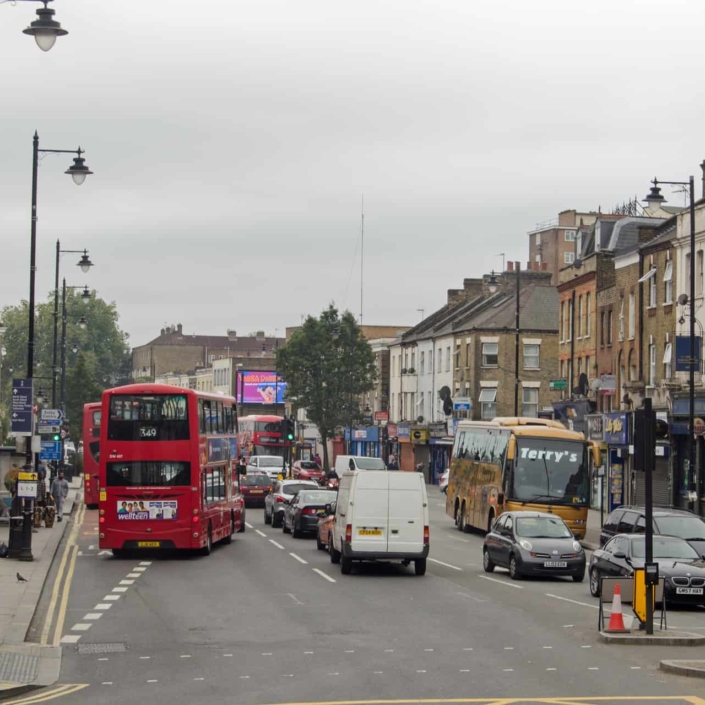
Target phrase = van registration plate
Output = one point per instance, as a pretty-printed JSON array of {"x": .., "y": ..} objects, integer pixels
[
  {"x": 148, "y": 544},
  {"x": 369, "y": 532},
  {"x": 555, "y": 564},
  {"x": 689, "y": 591}
]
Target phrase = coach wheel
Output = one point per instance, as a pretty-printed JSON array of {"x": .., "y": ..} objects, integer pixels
[
  {"x": 229, "y": 538},
  {"x": 206, "y": 550}
]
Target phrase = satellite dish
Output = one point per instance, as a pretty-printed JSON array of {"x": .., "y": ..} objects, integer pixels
[
  {"x": 682, "y": 299},
  {"x": 583, "y": 384},
  {"x": 578, "y": 263},
  {"x": 596, "y": 384},
  {"x": 448, "y": 406},
  {"x": 444, "y": 393}
]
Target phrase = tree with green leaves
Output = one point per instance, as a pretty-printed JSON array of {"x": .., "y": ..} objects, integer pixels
[
  {"x": 328, "y": 365},
  {"x": 102, "y": 359}
]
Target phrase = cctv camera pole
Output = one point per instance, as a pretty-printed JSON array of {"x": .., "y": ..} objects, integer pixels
[
  {"x": 649, "y": 456},
  {"x": 517, "y": 381}
]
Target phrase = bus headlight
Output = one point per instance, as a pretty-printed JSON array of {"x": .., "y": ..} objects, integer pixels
[{"x": 525, "y": 545}]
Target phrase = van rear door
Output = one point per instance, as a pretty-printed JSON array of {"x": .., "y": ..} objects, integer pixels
[
  {"x": 369, "y": 504},
  {"x": 406, "y": 513}
]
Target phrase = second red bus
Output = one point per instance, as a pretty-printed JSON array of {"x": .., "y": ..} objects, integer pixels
[
  {"x": 260, "y": 435},
  {"x": 91, "y": 453}
]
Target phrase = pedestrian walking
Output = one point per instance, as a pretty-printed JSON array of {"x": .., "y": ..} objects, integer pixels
[{"x": 60, "y": 490}]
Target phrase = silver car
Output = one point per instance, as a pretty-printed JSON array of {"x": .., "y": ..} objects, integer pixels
[{"x": 281, "y": 493}]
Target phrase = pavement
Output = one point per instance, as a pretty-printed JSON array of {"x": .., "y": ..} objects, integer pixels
[
  {"x": 592, "y": 532},
  {"x": 25, "y": 665}
]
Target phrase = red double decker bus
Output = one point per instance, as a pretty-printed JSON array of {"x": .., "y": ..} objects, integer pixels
[
  {"x": 260, "y": 435},
  {"x": 168, "y": 476},
  {"x": 91, "y": 453}
]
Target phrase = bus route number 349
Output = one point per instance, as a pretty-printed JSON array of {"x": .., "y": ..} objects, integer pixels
[{"x": 148, "y": 432}]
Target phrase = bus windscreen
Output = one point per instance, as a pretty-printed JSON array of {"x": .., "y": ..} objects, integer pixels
[
  {"x": 550, "y": 471},
  {"x": 152, "y": 473},
  {"x": 159, "y": 417}
]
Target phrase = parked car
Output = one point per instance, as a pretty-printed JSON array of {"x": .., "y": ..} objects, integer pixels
[
  {"x": 307, "y": 470},
  {"x": 325, "y": 527},
  {"x": 380, "y": 515},
  {"x": 533, "y": 543},
  {"x": 679, "y": 563},
  {"x": 667, "y": 521},
  {"x": 254, "y": 487},
  {"x": 443, "y": 482},
  {"x": 302, "y": 511},
  {"x": 273, "y": 465},
  {"x": 282, "y": 491}
]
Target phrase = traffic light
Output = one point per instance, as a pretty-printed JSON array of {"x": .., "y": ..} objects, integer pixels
[
  {"x": 290, "y": 429},
  {"x": 55, "y": 437}
]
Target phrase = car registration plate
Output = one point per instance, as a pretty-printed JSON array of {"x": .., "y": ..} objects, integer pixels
[
  {"x": 321, "y": 512},
  {"x": 689, "y": 591},
  {"x": 369, "y": 532},
  {"x": 148, "y": 544},
  {"x": 256, "y": 491},
  {"x": 555, "y": 564}
]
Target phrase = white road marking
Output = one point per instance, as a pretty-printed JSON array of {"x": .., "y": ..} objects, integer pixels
[
  {"x": 111, "y": 598},
  {"x": 551, "y": 669},
  {"x": 278, "y": 545},
  {"x": 127, "y": 582},
  {"x": 635, "y": 668},
  {"x": 107, "y": 682},
  {"x": 377, "y": 673},
  {"x": 120, "y": 589},
  {"x": 547, "y": 647},
  {"x": 103, "y": 606},
  {"x": 81, "y": 627},
  {"x": 447, "y": 565},
  {"x": 570, "y": 626},
  {"x": 199, "y": 679},
  {"x": 70, "y": 638},
  {"x": 133, "y": 575},
  {"x": 420, "y": 671},
  {"x": 80, "y": 553},
  {"x": 472, "y": 597},
  {"x": 249, "y": 526},
  {"x": 509, "y": 648},
  {"x": 145, "y": 658},
  {"x": 501, "y": 582},
  {"x": 464, "y": 670},
  {"x": 93, "y": 615},
  {"x": 575, "y": 602},
  {"x": 103, "y": 659},
  {"x": 105, "y": 553},
  {"x": 153, "y": 680},
  {"x": 389, "y": 651},
  {"x": 244, "y": 677},
  {"x": 91, "y": 547},
  {"x": 227, "y": 655},
  {"x": 298, "y": 558},
  {"x": 586, "y": 646},
  {"x": 261, "y": 533},
  {"x": 294, "y": 598},
  {"x": 185, "y": 656},
  {"x": 324, "y": 575},
  {"x": 308, "y": 652},
  {"x": 138, "y": 570},
  {"x": 288, "y": 675},
  {"x": 350, "y": 651},
  {"x": 469, "y": 648},
  {"x": 593, "y": 668},
  {"x": 334, "y": 674},
  {"x": 428, "y": 649},
  {"x": 145, "y": 562},
  {"x": 507, "y": 670},
  {"x": 268, "y": 653}
]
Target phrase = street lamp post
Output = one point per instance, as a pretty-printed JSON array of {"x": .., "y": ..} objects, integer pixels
[
  {"x": 655, "y": 199},
  {"x": 45, "y": 29},
  {"x": 240, "y": 382},
  {"x": 516, "y": 344}
]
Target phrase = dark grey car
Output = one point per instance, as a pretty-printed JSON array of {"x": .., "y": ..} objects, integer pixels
[{"x": 533, "y": 543}]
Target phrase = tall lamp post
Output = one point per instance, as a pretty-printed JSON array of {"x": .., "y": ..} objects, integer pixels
[
  {"x": 82, "y": 324},
  {"x": 654, "y": 199},
  {"x": 85, "y": 264},
  {"x": 45, "y": 29}
]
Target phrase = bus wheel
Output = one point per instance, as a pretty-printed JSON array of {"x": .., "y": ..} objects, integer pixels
[
  {"x": 118, "y": 552},
  {"x": 462, "y": 526},
  {"x": 206, "y": 550},
  {"x": 243, "y": 516},
  {"x": 229, "y": 538}
]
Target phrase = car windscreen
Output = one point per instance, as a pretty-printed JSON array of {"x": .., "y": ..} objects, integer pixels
[
  {"x": 370, "y": 464},
  {"x": 317, "y": 497},
  {"x": 255, "y": 480},
  {"x": 271, "y": 462},
  {"x": 665, "y": 548},
  {"x": 294, "y": 489},
  {"x": 542, "y": 528},
  {"x": 153, "y": 417},
  {"x": 148, "y": 473},
  {"x": 684, "y": 527}
]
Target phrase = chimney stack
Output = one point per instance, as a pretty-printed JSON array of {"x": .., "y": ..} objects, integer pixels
[
  {"x": 702, "y": 166},
  {"x": 179, "y": 329},
  {"x": 510, "y": 266},
  {"x": 517, "y": 266}
]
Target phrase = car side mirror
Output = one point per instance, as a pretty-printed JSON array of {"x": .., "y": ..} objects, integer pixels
[{"x": 620, "y": 554}]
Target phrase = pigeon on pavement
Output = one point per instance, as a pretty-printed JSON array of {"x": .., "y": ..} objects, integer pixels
[{"x": 21, "y": 579}]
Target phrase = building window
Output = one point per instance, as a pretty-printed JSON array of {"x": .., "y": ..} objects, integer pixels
[
  {"x": 668, "y": 280},
  {"x": 430, "y": 361},
  {"x": 581, "y": 317},
  {"x": 587, "y": 367},
  {"x": 488, "y": 405},
  {"x": 531, "y": 356},
  {"x": 569, "y": 257},
  {"x": 490, "y": 355},
  {"x": 562, "y": 321},
  {"x": 652, "y": 290},
  {"x": 667, "y": 365},
  {"x": 428, "y": 402},
  {"x": 538, "y": 239},
  {"x": 632, "y": 316},
  {"x": 530, "y": 406},
  {"x": 439, "y": 360},
  {"x": 602, "y": 327},
  {"x": 609, "y": 327},
  {"x": 456, "y": 362},
  {"x": 448, "y": 359},
  {"x": 422, "y": 358},
  {"x": 570, "y": 235},
  {"x": 621, "y": 318},
  {"x": 588, "y": 313},
  {"x": 421, "y": 410},
  {"x": 413, "y": 359},
  {"x": 467, "y": 354},
  {"x": 632, "y": 366},
  {"x": 571, "y": 306},
  {"x": 652, "y": 365}
]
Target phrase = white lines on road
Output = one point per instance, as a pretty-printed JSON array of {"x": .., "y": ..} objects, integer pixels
[
  {"x": 635, "y": 668},
  {"x": 428, "y": 649},
  {"x": 185, "y": 656},
  {"x": 350, "y": 651},
  {"x": 70, "y": 638},
  {"x": 81, "y": 627},
  {"x": 421, "y": 671},
  {"x": 294, "y": 598},
  {"x": 298, "y": 558},
  {"x": 153, "y": 680},
  {"x": 551, "y": 669},
  {"x": 145, "y": 658},
  {"x": 464, "y": 670},
  {"x": 138, "y": 569},
  {"x": 107, "y": 682},
  {"x": 105, "y": 658},
  {"x": 261, "y": 533},
  {"x": 249, "y": 526},
  {"x": 227, "y": 655},
  {"x": 501, "y": 582},
  {"x": 575, "y": 602},
  {"x": 92, "y": 616},
  {"x": 586, "y": 646},
  {"x": 324, "y": 575},
  {"x": 278, "y": 545},
  {"x": 507, "y": 670},
  {"x": 593, "y": 668},
  {"x": 103, "y": 606},
  {"x": 267, "y": 653},
  {"x": 378, "y": 673},
  {"x": 120, "y": 589},
  {"x": 547, "y": 647},
  {"x": 569, "y": 626},
  {"x": 509, "y": 648},
  {"x": 111, "y": 598},
  {"x": 334, "y": 674},
  {"x": 472, "y": 597},
  {"x": 127, "y": 582},
  {"x": 307, "y": 653},
  {"x": 199, "y": 679},
  {"x": 133, "y": 575},
  {"x": 244, "y": 678},
  {"x": 91, "y": 547},
  {"x": 145, "y": 562},
  {"x": 447, "y": 565},
  {"x": 389, "y": 651}
]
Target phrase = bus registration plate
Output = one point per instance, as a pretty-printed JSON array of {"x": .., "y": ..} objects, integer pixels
[
  {"x": 555, "y": 564},
  {"x": 369, "y": 532},
  {"x": 148, "y": 544}
]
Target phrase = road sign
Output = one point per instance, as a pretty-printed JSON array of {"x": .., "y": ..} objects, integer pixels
[
  {"x": 27, "y": 476},
  {"x": 48, "y": 428},
  {"x": 22, "y": 401},
  {"x": 51, "y": 450},
  {"x": 51, "y": 415},
  {"x": 462, "y": 404},
  {"x": 557, "y": 384},
  {"x": 27, "y": 489}
]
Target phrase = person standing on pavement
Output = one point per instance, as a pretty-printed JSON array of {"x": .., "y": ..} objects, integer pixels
[{"x": 60, "y": 490}]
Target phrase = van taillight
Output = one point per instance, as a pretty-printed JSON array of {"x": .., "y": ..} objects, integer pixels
[
  {"x": 426, "y": 535},
  {"x": 348, "y": 533}
]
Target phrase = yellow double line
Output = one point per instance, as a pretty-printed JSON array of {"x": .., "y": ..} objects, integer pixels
[
  {"x": 69, "y": 558},
  {"x": 45, "y": 695}
]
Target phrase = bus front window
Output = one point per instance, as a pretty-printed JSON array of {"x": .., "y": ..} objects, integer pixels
[{"x": 550, "y": 471}]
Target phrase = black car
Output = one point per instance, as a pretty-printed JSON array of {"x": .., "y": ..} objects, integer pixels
[
  {"x": 679, "y": 563},
  {"x": 667, "y": 522},
  {"x": 301, "y": 513},
  {"x": 533, "y": 543}
]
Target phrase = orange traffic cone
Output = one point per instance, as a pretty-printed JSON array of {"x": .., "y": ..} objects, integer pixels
[{"x": 616, "y": 619}]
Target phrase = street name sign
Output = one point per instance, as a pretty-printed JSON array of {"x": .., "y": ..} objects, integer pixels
[
  {"x": 22, "y": 401},
  {"x": 462, "y": 404}
]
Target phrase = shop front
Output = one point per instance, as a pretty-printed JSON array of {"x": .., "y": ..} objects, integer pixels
[
  {"x": 661, "y": 478},
  {"x": 419, "y": 443},
  {"x": 680, "y": 462},
  {"x": 365, "y": 441},
  {"x": 617, "y": 439},
  {"x": 440, "y": 450},
  {"x": 406, "y": 450},
  {"x": 595, "y": 431},
  {"x": 391, "y": 445}
]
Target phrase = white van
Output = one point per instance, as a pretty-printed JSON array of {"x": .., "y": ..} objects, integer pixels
[
  {"x": 349, "y": 463},
  {"x": 273, "y": 465},
  {"x": 381, "y": 515}
]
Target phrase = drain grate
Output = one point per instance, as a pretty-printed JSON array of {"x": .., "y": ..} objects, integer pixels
[
  {"x": 115, "y": 648},
  {"x": 19, "y": 668}
]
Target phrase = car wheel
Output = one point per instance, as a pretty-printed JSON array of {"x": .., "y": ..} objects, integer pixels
[
  {"x": 579, "y": 577},
  {"x": 276, "y": 522},
  {"x": 594, "y": 583},
  {"x": 345, "y": 565},
  {"x": 334, "y": 555},
  {"x": 514, "y": 572},
  {"x": 420, "y": 566},
  {"x": 267, "y": 518},
  {"x": 319, "y": 544},
  {"x": 487, "y": 562},
  {"x": 285, "y": 526},
  {"x": 296, "y": 533}
]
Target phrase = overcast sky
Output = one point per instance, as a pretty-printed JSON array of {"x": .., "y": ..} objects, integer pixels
[{"x": 232, "y": 142}]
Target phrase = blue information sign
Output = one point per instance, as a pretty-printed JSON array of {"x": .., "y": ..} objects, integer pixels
[
  {"x": 22, "y": 402},
  {"x": 683, "y": 361},
  {"x": 51, "y": 450}
]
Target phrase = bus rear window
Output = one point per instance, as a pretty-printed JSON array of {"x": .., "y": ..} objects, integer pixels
[
  {"x": 159, "y": 417},
  {"x": 153, "y": 473}
]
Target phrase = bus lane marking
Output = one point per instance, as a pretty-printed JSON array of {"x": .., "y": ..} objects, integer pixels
[
  {"x": 501, "y": 582},
  {"x": 127, "y": 582},
  {"x": 120, "y": 589},
  {"x": 133, "y": 575}
]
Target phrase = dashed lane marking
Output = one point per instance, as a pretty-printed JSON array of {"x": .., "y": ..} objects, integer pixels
[
  {"x": 244, "y": 678},
  {"x": 133, "y": 575},
  {"x": 547, "y": 647},
  {"x": 261, "y": 533},
  {"x": 249, "y": 526},
  {"x": 138, "y": 569},
  {"x": 501, "y": 582},
  {"x": 324, "y": 575},
  {"x": 593, "y": 668},
  {"x": 127, "y": 582},
  {"x": 93, "y": 616},
  {"x": 185, "y": 656},
  {"x": 307, "y": 653},
  {"x": 111, "y": 598},
  {"x": 509, "y": 648},
  {"x": 103, "y": 606},
  {"x": 153, "y": 680},
  {"x": 551, "y": 669},
  {"x": 298, "y": 558},
  {"x": 145, "y": 658},
  {"x": 81, "y": 627},
  {"x": 227, "y": 655},
  {"x": 104, "y": 658},
  {"x": 120, "y": 589},
  {"x": 107, "y": 682},
  {"x": 575, "y": 602},
  {"x": 278, "y": 545},
  {"x": 199, "y": 679},
  {"x": 70, "y": 638},
  {"x": 447, "y": 565},
  {"x": 586, "y": 646},
  {"x": 508, "y": 670},
  {"x": 145, "y": 562}
]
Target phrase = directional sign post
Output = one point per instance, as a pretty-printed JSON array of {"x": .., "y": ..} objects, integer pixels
[
  {"x": 51, "y": 450},
  {"x": 48, "y": 428},
  {"x": 49, "y": 415},
  {"x": 462, "y": 404},
  {"x": 22, "y": 401}
]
